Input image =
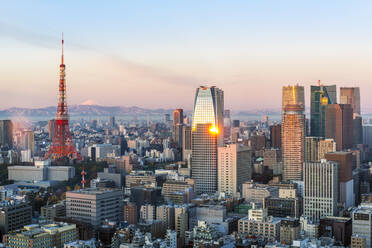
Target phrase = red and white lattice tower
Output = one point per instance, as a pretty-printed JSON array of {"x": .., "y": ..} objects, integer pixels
[
  {"x": 83, "y": 181},
  {"x": 62, "y": 144}
]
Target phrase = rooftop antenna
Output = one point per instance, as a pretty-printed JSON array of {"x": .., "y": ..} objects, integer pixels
[{"x": 62, "y": 47}]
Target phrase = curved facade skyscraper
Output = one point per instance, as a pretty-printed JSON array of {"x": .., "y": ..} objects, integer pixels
[{"x": 207, "y": 135}]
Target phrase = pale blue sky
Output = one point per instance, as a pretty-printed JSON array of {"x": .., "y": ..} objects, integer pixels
[{"x": 154, "y": 53}]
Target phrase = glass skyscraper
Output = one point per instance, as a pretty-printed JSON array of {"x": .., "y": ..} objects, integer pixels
[
  {"x": 320, "y": 97},
  {"x": 207, "y": 135}
]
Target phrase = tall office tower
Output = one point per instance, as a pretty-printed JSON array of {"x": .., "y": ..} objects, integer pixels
[
  {"x": 178, "y": 134},
  {"x": 351, "y": 95},
  {"x": 276, "y": 136},
  {"x": 112, "y": 122},
  {"x": 321, "y": 96},
  {"x": 6, "y": 133},
  {"x": 177, "y": 126},
  {"x": 339, "y": 125},
  {"x": 311, "y": 148},
  {"x": 204, "y": 158},
  {"x": 293, "y": 94},
  {"x": 320, "y": 189},
  {"x": 207, "y": 134},
  {"x": 345, "y": 168},
  {"x": 227, "y": 123},
  {"x": 62, "y": 144},
  {"x": 357, "y": 130},
  {"x": 234, "y": 168},
  {"x": 186, "y": 142},
  {"x": 28, "y": 141},
  {"x": 177, "y": 117},
  {"x": 325, "y": 146},
  {"x": 293, "y": 141},
  {"x": 367, "y": 135}
]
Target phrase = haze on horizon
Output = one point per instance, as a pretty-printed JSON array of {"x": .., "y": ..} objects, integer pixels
[{"x": 153, "y": 54}]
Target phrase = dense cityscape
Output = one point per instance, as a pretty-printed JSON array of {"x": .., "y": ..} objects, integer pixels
[
  {"x": 185, "y": 124},
  {"x": 199, "y": 180}
]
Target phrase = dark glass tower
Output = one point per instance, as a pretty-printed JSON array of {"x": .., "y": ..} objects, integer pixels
[{"x": 321, "y": 96}]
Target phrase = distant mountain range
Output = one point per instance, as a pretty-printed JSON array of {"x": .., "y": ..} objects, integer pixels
[
  {"x": 98, "y": 110},
  {"x": 86, "y": 110}
]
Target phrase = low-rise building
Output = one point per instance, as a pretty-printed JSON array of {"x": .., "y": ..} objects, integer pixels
[
  {"x": 37, "y": 236},
  {"x": 362, "y": 222},
  {"x": 256, "y": 193},
  {"x": 40, "y": 171},
  {"x": 289, "y": 231},
  {"x": 94, "y": 205},
  {"x": 257, "y": 223},
  {"x": 52, "y": 211}
]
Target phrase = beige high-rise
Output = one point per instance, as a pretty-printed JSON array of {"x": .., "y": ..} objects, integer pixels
[
  {"x": 234, "y": 168},
  {"x": 293, "y": 139}
]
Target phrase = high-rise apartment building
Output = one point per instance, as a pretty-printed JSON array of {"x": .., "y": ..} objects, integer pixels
[
  {"x": 311, "y": 148},
  {"x": 165, "y": 213},
  {"x": 339, "y": 125},
  {"x": 148, "y": 212},
  {"x": 321, "y": 96},
  {"x": 293, "y": 141},
  {"x": 325, "y": 146},
  {"x": 94, "y": 205},
  {"x": 207, "y": 134},
  {"x": 181, "y": 218},
  {"x": 234, "y": 168},
  {"x": 130, "y": 213},
  {"x": 317, "y": 147},
  {"x": 6, "y": 133},
  {"x": 320, "y": 189},
  {"x": 293, "y": 94},
  {"x": 351, "y": 95}
]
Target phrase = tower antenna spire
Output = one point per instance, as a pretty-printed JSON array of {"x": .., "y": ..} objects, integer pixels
[{"x": 62, "y": 48}]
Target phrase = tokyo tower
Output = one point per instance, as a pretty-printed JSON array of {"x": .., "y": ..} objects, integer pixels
[{"x": 62, "y": 146}]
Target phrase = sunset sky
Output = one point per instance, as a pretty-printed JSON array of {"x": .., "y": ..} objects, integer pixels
[{"x": 154, "y": 54}]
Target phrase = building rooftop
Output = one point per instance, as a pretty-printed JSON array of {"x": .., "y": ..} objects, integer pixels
[{"x": 94, "y": 191}]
